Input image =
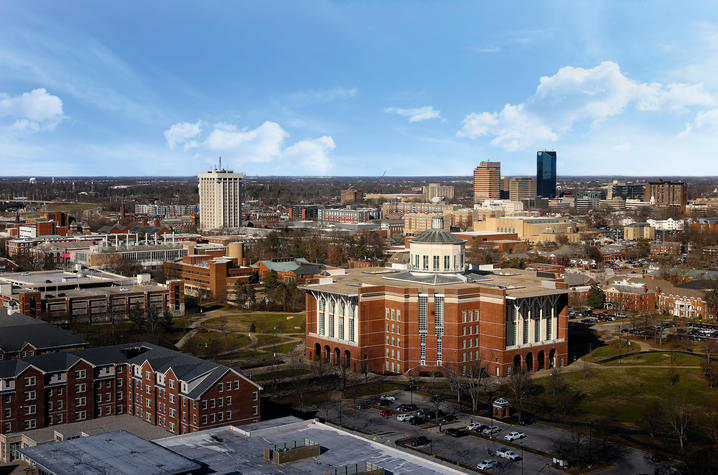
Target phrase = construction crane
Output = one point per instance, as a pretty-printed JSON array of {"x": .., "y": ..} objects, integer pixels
[{"x": 378, "y": 182}]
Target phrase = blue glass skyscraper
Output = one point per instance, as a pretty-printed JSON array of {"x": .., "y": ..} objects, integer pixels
[{"x": 546, "y": 174}]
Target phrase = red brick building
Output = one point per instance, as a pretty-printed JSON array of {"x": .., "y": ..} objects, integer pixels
[
  {"x": 22, "y": 336},
  {"x": 436, "y": 316},
  {"x": 216, "y": 275},
  {"x": 167, "y": 388},
  {"x": 630, "y": 297}
]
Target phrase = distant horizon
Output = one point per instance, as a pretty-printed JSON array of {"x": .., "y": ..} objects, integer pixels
[{"x": 468, "y": 177}]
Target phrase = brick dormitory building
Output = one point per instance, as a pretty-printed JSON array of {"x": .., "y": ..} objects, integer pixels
[
  {"x": 435, "y": 315},
  {"x": 170, "y": 389}
]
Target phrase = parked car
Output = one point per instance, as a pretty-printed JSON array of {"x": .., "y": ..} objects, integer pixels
[
  {"x": 491, "y": 430},
  {"x": 417, "y": 420},
  {"x": 513, "y": 435},
  {"x": 419, "y": 441},
  {"x": 362, "y": 405},
  {"x": 387, "y": 397},
  {"x": 404, "y": 417},
  {"x": 385, "y": 413},
  {"x": 476, "y": 427},
  {"x": 456, "y": 432},
  {"x": 527, "y": 420},
  {"x": 507, "y": 453},
  {"x": 406, "y": 407},
  {"x": 448, "y": 418},
  {"x": 487, "y": 464}
]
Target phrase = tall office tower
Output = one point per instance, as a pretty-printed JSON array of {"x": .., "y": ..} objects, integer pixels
[
  {"x": 666, "y": 193},
  {"x": 522, "y": 187},
  {"x": 220, "y": 199},
  {"x": 546, "y": 174},
  {"x": 487, "y": 181}
]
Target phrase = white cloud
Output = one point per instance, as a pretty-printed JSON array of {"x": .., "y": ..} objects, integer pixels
[
  {"x": 705, "y": 121},
  {"x": 264, "y": 145},
  {"x": 576, "y": 94},
  {"x": 34, "y": 110},
  {"x": 179, "y": 134},
  {"x": 312, "y": 154},
  {"x": 416, "y": 114},
  {"x": 316, "y": 96}
]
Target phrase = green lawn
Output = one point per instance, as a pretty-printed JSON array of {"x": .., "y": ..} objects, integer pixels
[
  {"x": 624, "y": 394},
  {"x": 612, "y": 348},
  {"x": 658, "y": 359},
  {"x": 210, "y": 343},
  {"x": 280, "y": 374},
  {"x": 265, "y": 322}
]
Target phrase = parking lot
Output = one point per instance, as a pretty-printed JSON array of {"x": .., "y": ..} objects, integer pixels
[{"x": 470, "y": 449}]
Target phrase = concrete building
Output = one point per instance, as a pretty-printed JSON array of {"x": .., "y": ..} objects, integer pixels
[
  {"x": 669, "y": 224},
  {"x": 397, "y": 209},
  {"x": 627, "y": 190},
  {"x": 534, "y": 229},
  {"x": 546, "y": 174},
  {"x": 166, "y": 211},
  {"x": 170, "y": 389},
  {"x": 434, "y": 316},
  {"x": 487, "y": 181},
  {"x": 416, "y": 223},
  {"x": 437, "y": 190},
  {"x": 501, "y": 207},
  {"x": 348, "y": 215},
  {"x": 585, "y": 200},
  {"x": 636, "y": 231},
  {"x": 666, "y": 193},
  {"x": 220, "y": 199},
  {"x": 521, "y": 187}
]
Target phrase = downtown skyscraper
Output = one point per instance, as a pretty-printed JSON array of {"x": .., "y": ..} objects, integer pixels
[{"x": 546, "y": 174}]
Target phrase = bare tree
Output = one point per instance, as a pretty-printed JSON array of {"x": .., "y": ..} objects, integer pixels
[
  {"x": 456, "y": 381},
  {"x": 476, "y": 376},
  {"x": 299, "y": 382},
  {"x": 677, "y": 414},
  {"x": 520, "y": 386}
]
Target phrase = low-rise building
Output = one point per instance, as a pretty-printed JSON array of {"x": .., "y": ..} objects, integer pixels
[
  {"x": 630, "y": 296},
  {"x": 170, "y": 389},
  {"x": 87, "y": 295},
  {"x": 289, "y": 269},
  {"x": 636, "y": 231},
  {"x": 348, "y": 215}
]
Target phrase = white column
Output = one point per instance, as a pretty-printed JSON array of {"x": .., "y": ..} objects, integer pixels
[
  {"x": 542, "y": 325},
  {"x": 554, "y": 323},
  {"x": 531, "y": 325},
  {"x": 520, "y": 323}
]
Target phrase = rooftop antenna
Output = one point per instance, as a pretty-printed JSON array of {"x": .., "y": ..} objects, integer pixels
[{"x": 220, "y": 163}]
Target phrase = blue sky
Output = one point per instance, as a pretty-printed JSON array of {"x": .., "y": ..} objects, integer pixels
[{"x": 356, "y": 88}]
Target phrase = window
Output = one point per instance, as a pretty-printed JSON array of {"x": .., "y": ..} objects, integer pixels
[
  {"x": 211, "y": 403},
  {"x": 80, "y": 401},
  {"x": 426, "y": 262},
  {"x": 172, "y": 412},
  {"x": 172, "y": 383},
  {"x": 172, "y": 398},
  {"x": 30, "y": 395},
  {"x": 8, "y": 413},
  {"x": 119, "y": 395},
  {"x": 31, "y": 424},
  {"x": 228, "y": 385},
  {"x": 80, "y": 416},
  {"x": 172, "y": 427},
  {"x": 220, "y": 401},
  {"x": 220, "y": 416},
  {"x": 220, "y": 387},
  {"x": 59, "y": 405},
  {"x": 204, "y": 404},
  {"x": 148, "y": 417},
  {"x": 59, "y": 418},
  {"x": 229, "y": 415},
  {"x": 436, "y": 262},
  {"x": 108, "y": 396},
  {"x": 80, "y": 374},
  {"x": 148, "y": 375},
  {"x": 30, "y": 381},
  {"x": 212, "y": 418},
  {"x": 119, "y": 383},
  {"x": 254, "y": 410},
  {"x": 398, "y": 315},
  {"x": 392, "y": 314},
  {"x": 148, "y": 389},
  {"x": 446, "y": 262},
  {"x": 108, "y": 410},
  {"x": 236, "y": 384},
  {"x": 59, "y": 391},
  {"x": 80, "y": 388},
  {"x": 229, "y": 400},
  {"x": 351, "y": 329}
]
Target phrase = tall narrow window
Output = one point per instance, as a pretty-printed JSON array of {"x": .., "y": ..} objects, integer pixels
[{"x": 423, "y": 310}]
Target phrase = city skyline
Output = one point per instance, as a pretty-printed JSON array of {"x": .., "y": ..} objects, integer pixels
[{"x": 344, "y": 89}]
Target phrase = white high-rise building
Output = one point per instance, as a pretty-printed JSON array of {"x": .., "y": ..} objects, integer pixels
[{"x": 220, "y": 199}]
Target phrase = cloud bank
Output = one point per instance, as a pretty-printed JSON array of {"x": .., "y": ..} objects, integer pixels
[
  {"x": 416, "y": 114},
  {"x": 34, "y": 110}
]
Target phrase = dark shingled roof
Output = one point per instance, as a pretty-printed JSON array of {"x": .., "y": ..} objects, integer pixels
[
  {"x": 437, "y": 236},
  {"x": 16, "y": 330}
]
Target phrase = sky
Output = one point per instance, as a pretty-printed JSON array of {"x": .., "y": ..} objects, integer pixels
[{"x": 357, "y": 87}]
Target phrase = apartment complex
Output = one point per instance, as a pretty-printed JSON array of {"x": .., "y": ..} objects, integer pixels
[
  {"x": 167, "y": 388},
  {"x": 546, "y": 174},
  {"x": 626, "y": 190},
  {"x": 348, "y": 215},
  {"x": 166, "y": 211},
  {"x": 636, "y": 231},
  {"x": 437, "y": 190},
  {"x": 396, "y": 209},
  {"x": 666, "y": 193},
  {"x": 220, "y": 199},
  {"x": 487, "y": 181},
  {"x": 435, "y": 316},
  {"x": 522, "y": 187}
]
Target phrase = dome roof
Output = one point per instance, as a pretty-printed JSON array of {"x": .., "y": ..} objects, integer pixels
[{"x": 437, "y": 236}]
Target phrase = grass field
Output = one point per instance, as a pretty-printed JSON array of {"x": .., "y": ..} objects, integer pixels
[
  {"x": 211, "y": 343},
  {"x": 623, "y": 394},
  {"x": 612, "y": 348},
  {"x": 659, "y": 359},
  {"x": 265, "y": 322},
  {"x": 71, "y": 207}
]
